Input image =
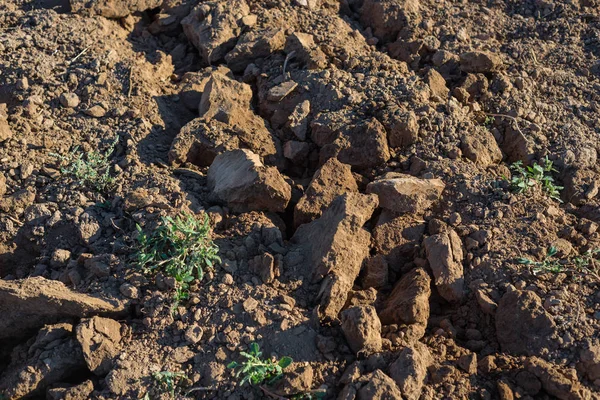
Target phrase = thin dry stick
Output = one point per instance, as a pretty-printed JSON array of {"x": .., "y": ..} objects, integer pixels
[
  {"x": 78, "y": 55},
  {"x": 508, "y": 116},
  {"x": 285, "y": 63},
  {"x": 271, "y": 394},
  {"x": 130, "y": 82}
]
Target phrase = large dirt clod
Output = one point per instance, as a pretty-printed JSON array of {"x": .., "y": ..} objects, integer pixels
[
  {"x": 241, "y": 180},
  {"x": 362, "y": 329},
  {"x": 334, "y": 247},
  {"x": 29, "y": 303},
  {"x": 445, "y": 255},
  {"x": 214, "y": 26},
  {"x": 406, "y": 194}
]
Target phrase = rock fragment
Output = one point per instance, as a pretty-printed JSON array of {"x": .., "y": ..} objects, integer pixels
[
  {"x": 362, "y": 329},
  {"x": 559, "y": 382},
  {"x": 69, "y": 100},
  {"x": 100, "y": 340},
  {"x": 241, "y": 180},
  {"x": 445, "y": 256},
  {"x": 378, "y": 386},
  {"x": 481, "y": 147},
  {"x": 112, "y": 8},
  {"x": 402, "y": 193},
  {"x": 253, "y": 45},
  {"x": 409, "y": 301},
  {"x": 523, "y": 326},
  {"x": 214, "y": 26},
  {"x": 362, "y": 145},
  {"x": 333, "y": 247},
  {"x": 479, "y": 62},
  {"x": 51, "y": 359},
  {"x": 27, "y": 304},
  {"x": 410, "y": 370},
  {"x": 388, "y": 17},
  {"x": 331, "y": 180}
]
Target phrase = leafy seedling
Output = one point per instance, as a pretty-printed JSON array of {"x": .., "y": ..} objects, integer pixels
[
  {"x": 169, "y": 382},
  {"x": 587, "y": 263},
  {"x": 180, "y": 248},
  {"x": 524, "y": 178},
  {"x": 90, "y": 169},
  {"x": 549, "y": 264},
  {"x": 257, "y": 371}
]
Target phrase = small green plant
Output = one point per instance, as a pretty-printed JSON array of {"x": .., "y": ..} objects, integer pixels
[
  {"x": 489, "y": 120},
  {"x": 548, "y": 264},
  {"x": 180, "y": 248},
  {"x": 91, "y": 169},
  {"x": 169, "y": 382},
  {"x": 524, "y": 178},
  {"x": 586, "y": 263},
  {"x": 258, "y": 371}
]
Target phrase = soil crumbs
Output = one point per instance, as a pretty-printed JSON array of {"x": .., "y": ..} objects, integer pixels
[{"x": 358, "y": 166}]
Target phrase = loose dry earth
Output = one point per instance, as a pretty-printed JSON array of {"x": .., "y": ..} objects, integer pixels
[{"x": 352, "y": 157}]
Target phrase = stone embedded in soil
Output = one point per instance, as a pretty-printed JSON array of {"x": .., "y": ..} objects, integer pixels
[
  {"x": 331, "y": 180},
  {"x": 264, "y": 266},
  {"x": 388, "y": 17},
  {"x": 362, "y": 145},
  {"x": 298, "y": 120},
  {"x": 18, "y": 201},
  {"x": 305, "y": 50},
  {"x": 2, "y": 184},
  {"x": 241, "y": 180},
  {"x": 30, "y": 303},
  {"x": 437, "y": 84},
  {"x": 402, "y": 193},
  {"x": 226, "y": 122},
  {"x": 194, "y": 83},
  {"x": 376, "y": 272},
  {"x": 523, "y": 326},
  {"x": 225, "y": 100},
  {"x": 479, "y": 62},
  {"x": 378, "y": 386},
  {"x": 253, "y": 45},
  {"x": 333, "y": 248},
  {"x": 445, "y": 256},
  {"x": 409, "y": 301},
  {"x": 214, "y": 26},
  {"x": 281, "y": 91},
  {"x": 5, "y": 130},
  {"x": 410, "y": 370},
  {"x": 295, "y": 151},
  {"x": 562, "y": 383},
  {"x": 96, "y": 111},
  {"x": 481, "y": 147},
  {"x": 112, "y": 8},
  {"x": 100, "y": 340},
  {"x": 52, "y": 358},
  {"x": 69, "y": 100},
  {"x": 362, "y": 329},
  {"x": 398, "y": 238},
  {"x": 402, "y": 127},
  {"x": 298, "y": 378},
  {"x": 78, "y": 392}
]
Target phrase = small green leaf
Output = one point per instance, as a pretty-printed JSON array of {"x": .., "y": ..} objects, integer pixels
[
  {"x": 285, "y": 362},
  {"x": 232, "y": 365}
]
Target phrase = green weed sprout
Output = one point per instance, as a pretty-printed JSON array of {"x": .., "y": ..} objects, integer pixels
[
  {"x": 179, "y": 247},
  {"x": 524, "y": 178},
  {"x": 586, "y": 263},
  {"x": 257, "y": 371},
  {"x": 91, "y": 169},
  {"x": 169, "y": 382}
]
